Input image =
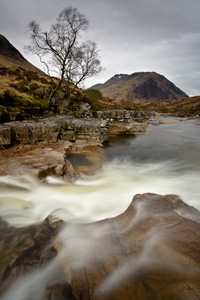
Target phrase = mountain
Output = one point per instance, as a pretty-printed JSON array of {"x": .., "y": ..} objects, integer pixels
[
  {"x": 140, "y": 86},
  {"x": 10, "y": 57}
]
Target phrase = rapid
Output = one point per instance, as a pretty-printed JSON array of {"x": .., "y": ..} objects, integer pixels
[{"x": 165, "y": 160}]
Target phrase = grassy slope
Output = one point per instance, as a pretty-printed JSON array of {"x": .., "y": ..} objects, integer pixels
[{"x": 186, "y": 106}]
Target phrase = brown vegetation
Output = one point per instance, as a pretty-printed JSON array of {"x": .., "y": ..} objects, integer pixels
[{"x": 182, "y": 107}]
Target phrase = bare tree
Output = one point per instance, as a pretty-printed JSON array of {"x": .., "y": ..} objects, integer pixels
[{"x": 60, "y": 51}]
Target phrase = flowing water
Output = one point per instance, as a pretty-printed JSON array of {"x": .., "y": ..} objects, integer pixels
[{"x": 165, "y": 160}]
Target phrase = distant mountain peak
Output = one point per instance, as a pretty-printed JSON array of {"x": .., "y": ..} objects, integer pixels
[{"x": 140, "y": 86}]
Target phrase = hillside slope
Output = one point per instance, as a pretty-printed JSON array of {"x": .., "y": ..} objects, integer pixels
[
  {"x": 25, "y": 90},
  {"x": 140, "y": 86},
  {"x": 10, "y": 57},
  {"x": 185, "y": 107}
]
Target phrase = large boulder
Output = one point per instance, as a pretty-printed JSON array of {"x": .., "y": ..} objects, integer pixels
[
  {"x": 40, "y": 160},
  {"x": 151, "y": 251}
]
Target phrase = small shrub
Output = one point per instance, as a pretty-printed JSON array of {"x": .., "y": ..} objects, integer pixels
[
  {"x": 34, "y": 76},
  {"x": 44, "y": 80},
  {"x": 24, "y": 89},
  {"x": 14, "y": 86},
  {"x": 31, "y": 75},
  {"x": 14, "y": 71},
  {"x": 34, "y": 86},
  {"x": 3, "y": 71},
  {"x": 96, "y": 106},
  {"x": 7, "y": 99},
  {"x": 3, "y": 109},
  {"x": 93, "y": 94}
]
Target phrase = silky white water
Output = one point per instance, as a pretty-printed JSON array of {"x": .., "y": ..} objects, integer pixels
[{"x": 166, "y": 160}]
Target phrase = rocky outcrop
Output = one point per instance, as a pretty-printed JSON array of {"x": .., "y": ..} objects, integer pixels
[
  {"x": 151, "y": 251},
  {"x": 125, "y": 121},
  {"x": 53, "y": 129},
  {"x": 41, "y": 148},
  {"x": 39, "y": 160},
  {"x": 127, "y": 128},
  {"x": 124, "y": 116},
  {"x": 64, "y": 160}
]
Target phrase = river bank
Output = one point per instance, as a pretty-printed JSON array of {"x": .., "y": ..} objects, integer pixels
[{"x": 41, "y": 147}]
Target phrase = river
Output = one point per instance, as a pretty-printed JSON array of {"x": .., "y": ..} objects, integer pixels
[{"x": 165, "y": 160}]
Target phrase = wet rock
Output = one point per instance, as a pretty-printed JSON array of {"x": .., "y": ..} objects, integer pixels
[
  {"x": 68, "y": 171},
  {"x": 59, "y": 292},
  {"x": 86, "y": 158},
  {"x": 151, "y": 251},
  {"x": 51, "y": 159},
  {"x": 25, "y": 249},
  {"x": 39, "y": 160}
]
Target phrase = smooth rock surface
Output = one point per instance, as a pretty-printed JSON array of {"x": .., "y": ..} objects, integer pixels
[
  {"x": 51, "y": 159},
  {"x": 151, "y": 251}
]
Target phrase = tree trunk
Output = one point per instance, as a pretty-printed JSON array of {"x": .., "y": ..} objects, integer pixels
[{"x": 53, "y": 92}]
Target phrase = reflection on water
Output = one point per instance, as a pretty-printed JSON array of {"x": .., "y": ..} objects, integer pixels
[
  {"x": 166, "y": 160},
  {"x": 178, "y": 142}
]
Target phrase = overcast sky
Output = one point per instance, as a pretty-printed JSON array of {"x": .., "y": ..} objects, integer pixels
[{"x": 132, "y": 35}]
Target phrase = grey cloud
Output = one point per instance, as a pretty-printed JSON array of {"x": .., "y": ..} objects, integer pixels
[{"x": 133, "y": 35}]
